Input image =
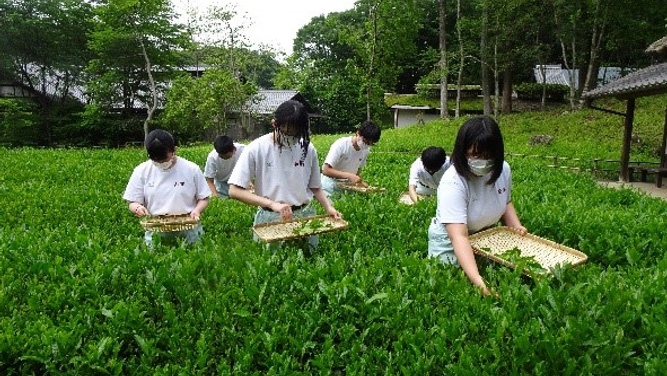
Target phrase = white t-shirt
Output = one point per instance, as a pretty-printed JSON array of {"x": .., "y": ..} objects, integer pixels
[
  {"x": 278, "y": 174},
  {"x": 220, "y": 169},
  {"x": 418, "y": 174},
  {"x": 175, "y": 191},
  {"x": 473, "y": 202},
  {"x": 343, "y": 157}
]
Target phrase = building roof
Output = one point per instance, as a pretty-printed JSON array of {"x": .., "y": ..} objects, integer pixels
[
  {"x": 648, "y": 81},
  {"x": 658, "y": 47},
  {"x": 266, "y": 101},
  {"x": 555, "y": 74}
]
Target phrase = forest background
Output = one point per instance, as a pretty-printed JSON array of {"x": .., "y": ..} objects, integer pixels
[{"x": 103, "y": 72}]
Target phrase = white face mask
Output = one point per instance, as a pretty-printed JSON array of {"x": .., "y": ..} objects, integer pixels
[
  {"x": 163, "y": 166},
  {"x": 480, "y": 167},
  {"x": 362, "y": 145}
]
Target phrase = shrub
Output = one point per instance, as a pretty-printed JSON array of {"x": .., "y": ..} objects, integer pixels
[{"x": 532, "y": 91}]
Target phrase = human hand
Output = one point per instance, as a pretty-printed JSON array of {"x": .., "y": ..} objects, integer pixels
[
  {"x": 284, "y": 210},
  {"x": 140, "y": 210},
  {"x": 354, "y": 179},
  {"x": 334, "y": 213},
  {"x": 194, "y": 215},
  {"x": 522, "y": 230}
]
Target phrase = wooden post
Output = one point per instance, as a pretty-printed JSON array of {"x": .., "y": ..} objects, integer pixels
[{"x": 627, "y": 138}]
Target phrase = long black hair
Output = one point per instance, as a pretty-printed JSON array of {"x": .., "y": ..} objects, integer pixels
[
  {"x": 482, "y": 134},
  {"x": 292, "y": 114}
]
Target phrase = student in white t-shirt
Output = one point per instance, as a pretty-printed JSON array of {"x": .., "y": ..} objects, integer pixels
[
  {"x": 167, "y": 185},
  {"x": 284, "y": 167},
  {"x": 472, "y": 196},
  {"x": 426, "y": 172},
  {"x": 347, "y": 156},
  {"x": 220, "y": 163}
]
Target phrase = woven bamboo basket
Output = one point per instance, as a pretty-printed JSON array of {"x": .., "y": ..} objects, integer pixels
[
  {"x": 298, "y": 228},
  {"x": 169, "y": 223},
  {"x": 359, "y": 188},
  {"x": 405, "y": 198},
  {"x": 494, "y": 242}
]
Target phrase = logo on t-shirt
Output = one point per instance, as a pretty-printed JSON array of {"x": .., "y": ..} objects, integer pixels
[
  {"x": 501, "y": 190},
  {"x": 176, "y": 183},
  {"x": 299, "y": 163}
]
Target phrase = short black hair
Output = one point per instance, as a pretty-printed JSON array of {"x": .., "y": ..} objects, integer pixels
[
  {"x": 370, "y": 131},
  {"x": 482, "y": 134},
  {"x": 433, "y": 157},
  {"x": 159, "y": 143},
  {"x": 223, "y": 144}
]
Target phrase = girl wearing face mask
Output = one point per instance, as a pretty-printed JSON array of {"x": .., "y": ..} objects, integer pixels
[
  {"x": 347, "y": 156},
  {"x": 472, "y": 196},
  {"x": 284, "y": 167},
  {"x": 167, "y": 185}
]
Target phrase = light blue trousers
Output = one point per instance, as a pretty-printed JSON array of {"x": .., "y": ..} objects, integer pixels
[
  {"x": 222, "y": 188},
  {"x": 439, "y": 244},
  {"x": 191, "y": 236}
]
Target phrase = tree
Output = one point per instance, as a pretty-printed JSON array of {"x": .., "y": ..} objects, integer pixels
[
  {"x": 43, "y": 45},
  {"x": 442, "y": 11},
  {"x": 137, "y": 51},
  {"x": 197, "y": 104}
]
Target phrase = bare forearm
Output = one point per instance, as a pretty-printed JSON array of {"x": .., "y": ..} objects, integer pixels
[
  {"x": 248, "y": 197},
  {"x": 412, "y": 191},
  {"x": 211, "y": 186}
]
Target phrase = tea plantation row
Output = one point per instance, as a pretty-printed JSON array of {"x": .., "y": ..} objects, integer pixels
[{"x": 80, "y": 294}]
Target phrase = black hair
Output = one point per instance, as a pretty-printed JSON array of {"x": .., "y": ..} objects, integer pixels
[
  {"x": 482, "y": 134},
  {"x": 433, "y": 157},
  {"x": 292, "y": 114},
  {"x": 370, "y": 131},
  {"x": 159, "y": 143},
  {"x": 223, "y": 144}
]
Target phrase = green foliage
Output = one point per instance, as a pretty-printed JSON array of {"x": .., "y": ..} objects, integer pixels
[
  {"x": 197, "y": 104},
  {"x": 533, "y": 91},
  {"x": 17, "y": 121},
  {"x": 80, "y": 293}
]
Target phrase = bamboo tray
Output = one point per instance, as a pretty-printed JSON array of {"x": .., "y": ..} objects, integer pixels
[
  {"x": 495, "y": 242},
  {"x": 358, "y": 188},
  {"x": 405, "y": 198},
  {"x": 298, "y": 228},
  {"x": 169, "y": 223}
]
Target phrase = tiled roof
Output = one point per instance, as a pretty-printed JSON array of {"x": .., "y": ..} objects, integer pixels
[
  {"x": 555, "y": 74},
  {"x": 269, "y": 100},
  {"x": 648, "y": 81}
]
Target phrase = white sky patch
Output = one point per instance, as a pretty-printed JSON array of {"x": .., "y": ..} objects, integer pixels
[{"x": 270, "y": 22}]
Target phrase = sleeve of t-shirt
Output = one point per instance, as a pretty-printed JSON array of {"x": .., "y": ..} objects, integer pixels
[
  {"x": 414, "y": 173},
  {"x": 203, "y": 191},
  {"x": 509, "y": 182},
  {"x": 135, "y": 187},
  {"x": 452, "y": 201},
  {"x": 209, "y": 169},
  {"x": 334, "y": 155},
  {"x": 315, "y": 178},
  {"x": 243, "y": 171}
]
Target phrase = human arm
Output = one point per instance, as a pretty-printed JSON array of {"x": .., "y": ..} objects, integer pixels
[
  {"x": 458, "y": 234},
  {"x": 326, "y": 204},
  {"x": 211, "y": 186},
  {"x": 511, "y": 219},
  {"x": 201, "y": 206},
  {"x": 337, "y": 174},
  {"x": 412, "y": 191},
  {"x": 246, "y": 196}
]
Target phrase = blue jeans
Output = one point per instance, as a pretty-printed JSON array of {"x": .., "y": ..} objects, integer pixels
[
  {"x": 439, "y": 244},
  {"x": 330, "y": 186},
  {"x": 266, "y": 216},
  {"x": 191, "y": 236},
  {"x": 222, "y": 188}
]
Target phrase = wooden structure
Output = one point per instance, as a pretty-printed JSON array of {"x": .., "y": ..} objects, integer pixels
[{"x": 641, "y": 83}]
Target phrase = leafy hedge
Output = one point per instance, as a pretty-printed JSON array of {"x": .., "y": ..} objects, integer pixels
[
  {"x": 79, "y": 294},
  {"x": 533, "y": 91}
]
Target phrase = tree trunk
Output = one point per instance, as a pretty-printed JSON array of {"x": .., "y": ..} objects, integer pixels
[
  {"x": 372, "y": 61},
  {"x": 486, "y": 87},
  {"x": 150, "y": 109},
  {"x": 596, "y": 46},
  {"x": 443, "y": 58},
  {"x": 507, "y": 90},
  {"x": 457, "y": 111}
]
